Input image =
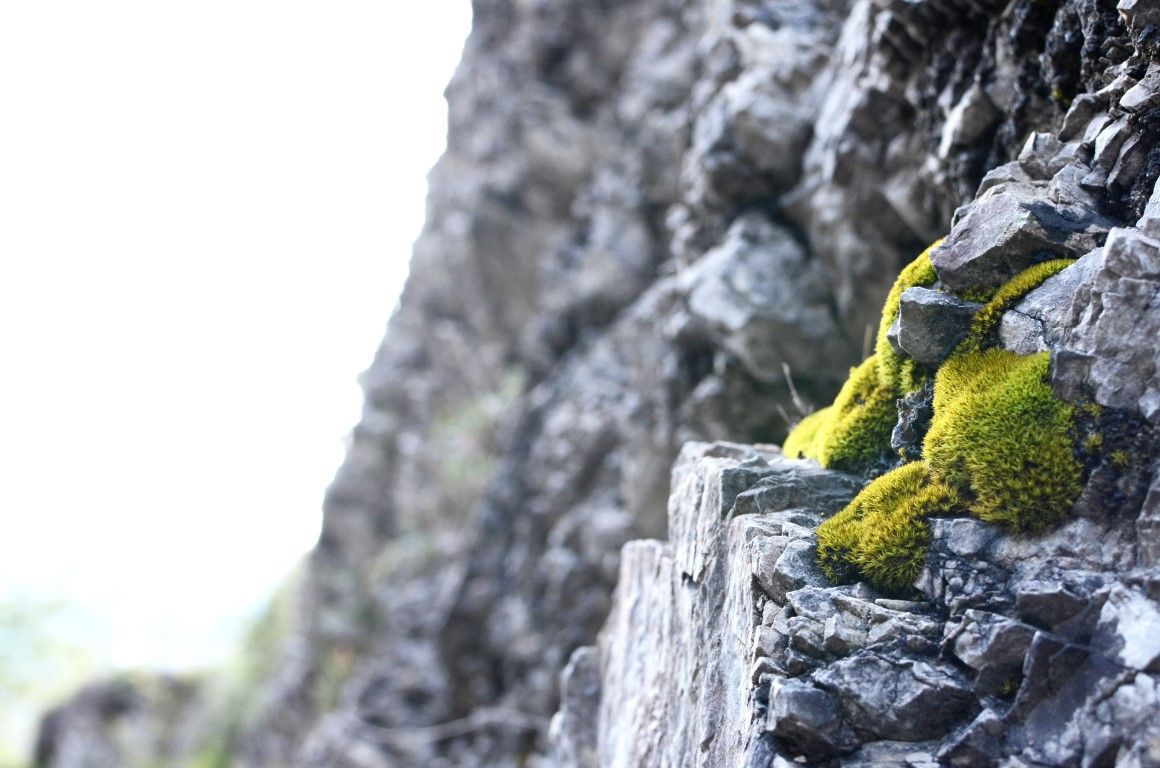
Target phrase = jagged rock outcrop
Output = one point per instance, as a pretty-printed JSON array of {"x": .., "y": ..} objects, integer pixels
[
  {"x": 669, "y": 220},
  {"x": 726, "y": 647}
]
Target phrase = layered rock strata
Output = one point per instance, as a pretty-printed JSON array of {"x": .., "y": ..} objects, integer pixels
[{"x": 726, "y": 646}]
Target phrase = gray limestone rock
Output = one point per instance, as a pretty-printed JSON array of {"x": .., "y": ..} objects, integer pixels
[
  {"x": 808, "y": 719},
  {"x": 1010, "y": 227},
  {"x": 1040, "y": 320},
  {"x": 978, "y": 745},
  {"x": 992, "y": 645},
  {"x": 1144, "y": 94},
  {"x": 1108, "y": 352},
  {"x": 1048, "y": 603},
  {"x": 931, "y": 323},
  {"x": 765, "y": 298},
  {"x": 968, "y": 121},
  {"x": 899, "y": 699},
  {"x": 1129, "y": 630},
  {"x": 573, "y": 730},
  {"x": 796, "y": 567},
  {"x": 1148, "y": 526}
]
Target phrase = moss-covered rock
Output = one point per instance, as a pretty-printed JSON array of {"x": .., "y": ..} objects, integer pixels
[
  {"x": 883, "y": 533},
  {"x": 853, "y": 434},
  {"x": 1003, "y": 440},
  {"x": 987, "y": 319},
  {"x": 1000, "y": 446}
]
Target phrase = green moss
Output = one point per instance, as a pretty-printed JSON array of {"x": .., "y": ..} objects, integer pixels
[
  {"x": 883, "y": 534},
  {"x": 800, "y": 442},
  {"x": 980, "y": 295},
  {"x": 1003, "y": 440},
  {"x": 986, "y": 320},
  {"x": 1120, "y": 459},
  {"x": 1093, "y": 442},
  {"x": 1000, "y": 447},
  {"x": 1092, "y": 409},
  {"x": 919, "y": 272},
  {"x": 853, "y": 434}
]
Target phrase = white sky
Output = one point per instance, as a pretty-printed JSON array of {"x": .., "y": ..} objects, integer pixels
[{"x": 206, "y": 210}]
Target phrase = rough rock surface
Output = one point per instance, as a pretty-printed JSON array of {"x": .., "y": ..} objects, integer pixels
[
  {"x": 932, "y": 323},
  {"x": 669, "y": 220},
  {"x": 723, "y": 650}
]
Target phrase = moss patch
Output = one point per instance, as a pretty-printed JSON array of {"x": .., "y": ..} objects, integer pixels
[
  {"x": 1002, "y": 439},
  {"x": 853, "y": 434},
  {"x": 802, "y": 440},
  {"x": 1000, "y": 447},
  {"x": 883, "y": 533}
]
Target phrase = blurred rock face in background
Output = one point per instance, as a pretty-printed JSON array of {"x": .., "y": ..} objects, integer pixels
[{"x": 660, "y": 221}]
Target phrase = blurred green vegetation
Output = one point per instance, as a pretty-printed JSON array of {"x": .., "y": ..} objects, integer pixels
[
  {"x": 464, "y": 436},
  {"x": 48, "y": 651},
  {"x": 42, "y": 661}
]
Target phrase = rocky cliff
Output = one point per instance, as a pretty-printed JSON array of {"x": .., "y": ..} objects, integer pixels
[{"x": 664, "y": 221}]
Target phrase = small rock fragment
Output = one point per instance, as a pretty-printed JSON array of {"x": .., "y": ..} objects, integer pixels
[
  {"x": 979, "y": 745},
  {"x": 992, "y": 645},
  {"x": 1143, "y": 94},
  {"x": 915, "y": 410},
  {"x": 1128, "y": 631},
  {"x": 797, "y": 567},
  {"x": 809, "y": 719},
  {"x": 932, "y": 323}
]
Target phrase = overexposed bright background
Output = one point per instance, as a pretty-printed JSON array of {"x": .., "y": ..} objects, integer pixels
[{"x": 206, "y": 211}]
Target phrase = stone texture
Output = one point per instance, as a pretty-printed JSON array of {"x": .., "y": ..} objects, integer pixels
[
  {"x": 992, "y": 645},
  {"x": 1129, "y": 630},
  {"x": 573, "y": 731},
  {"x": 931, "y": 323},
  {"x": 1108, "y": 353},
  {"x": 767, "y": 302},
  {"x": 1010, "y": 227},
  {"x": 1040, "y": 320},
  {"x": 808, "y": 719},
  {"x": 662, "y": 221},
  {"x": 1058, "y": 657},
  {"x": 902, "y": 700}
]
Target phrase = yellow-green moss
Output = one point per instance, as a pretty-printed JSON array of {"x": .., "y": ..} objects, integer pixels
[
  {"x": 987, "y": 319},
  {"x": 853, "y": 434},
  {"x": 883, "y": 534},
  {"x": 1092, "y": 409},
  {"x": 919, "y": 272},
  {"x": 800, "y": 442},
  {"x": 1002, "y": 439},
  {"x": 1001, "y": 446}
]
